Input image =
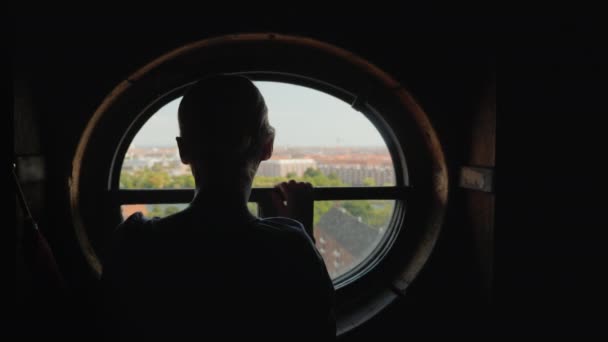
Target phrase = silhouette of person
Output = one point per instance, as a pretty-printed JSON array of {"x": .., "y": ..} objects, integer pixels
[{"x": 214, "y": 269}]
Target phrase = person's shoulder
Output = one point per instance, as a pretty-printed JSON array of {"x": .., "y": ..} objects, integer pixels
[
  {"x": 290, "y": 232},
  {"x": 134, "y": 227},
  {"x": 281, "y": 226},
  {"x": 133, "y": 223}
]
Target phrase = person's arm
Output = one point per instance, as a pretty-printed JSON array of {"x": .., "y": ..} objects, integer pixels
[{"x": 293, "y": 200}]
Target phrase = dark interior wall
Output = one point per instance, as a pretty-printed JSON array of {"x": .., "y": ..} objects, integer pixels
[{"x": 64, "y": 67}]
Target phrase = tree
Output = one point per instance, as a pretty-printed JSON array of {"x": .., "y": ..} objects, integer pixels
[
  {"x": 170, "y": 210},
  {"x": 374, "y": 213},
  {"x": 158, "y": 167},
  {"x": 156, "y": 180},
  {"x": 181, "y": 182},
  {"x": 155, "y": 211},
  {"x": 312, "y": 173},
  {"x": 380, "y": 215},
  {"x": 126, "y": 180},
  {"x": 369, "y": 181},
  {"x": 358, "y": 209},
  {"x": 320, "y": 209}
]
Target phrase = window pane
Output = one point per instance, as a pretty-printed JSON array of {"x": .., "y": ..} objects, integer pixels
[
  {"x": 347, "y": 232},
  {"x": 319, "y": 139}
]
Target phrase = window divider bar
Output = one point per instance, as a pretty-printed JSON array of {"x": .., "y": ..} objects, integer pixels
[{"x": 146, "y": 196}]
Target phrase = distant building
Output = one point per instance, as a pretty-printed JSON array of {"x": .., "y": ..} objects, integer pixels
[
  {"x": 282, "y": 167},
  {"x": 135, "y": 164},
  {"x": 355, "y": 174}
]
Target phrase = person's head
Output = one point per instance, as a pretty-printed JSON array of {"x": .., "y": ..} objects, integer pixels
[{"x": 224, "y": 128}]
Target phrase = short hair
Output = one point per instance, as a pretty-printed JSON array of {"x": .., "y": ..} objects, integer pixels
[{"x": 226, "y": 117}]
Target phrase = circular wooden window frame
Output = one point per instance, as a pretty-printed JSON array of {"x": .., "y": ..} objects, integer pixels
[{"x": 299, "y": 60}]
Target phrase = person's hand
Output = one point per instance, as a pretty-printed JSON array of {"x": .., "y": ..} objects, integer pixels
[{"x": 294, "y": 200}]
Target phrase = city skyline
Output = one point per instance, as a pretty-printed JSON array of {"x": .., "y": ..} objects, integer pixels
[
  {"x": 372, "y": 166},
  {"x": 303, "y": 117}
]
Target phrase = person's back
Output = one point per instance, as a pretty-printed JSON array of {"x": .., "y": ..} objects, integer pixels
[
  {"x": 180, "y": 276},
  {"x": 216, "y": 270}
]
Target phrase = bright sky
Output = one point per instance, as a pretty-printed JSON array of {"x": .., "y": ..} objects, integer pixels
[{"x": 301, "y": 116}]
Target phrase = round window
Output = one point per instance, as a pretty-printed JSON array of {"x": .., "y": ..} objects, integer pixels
[
  {"x": 342, "y": 124},
  {"x": 320, "y": 139}
]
